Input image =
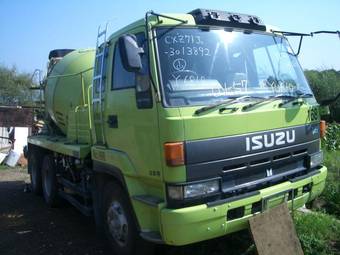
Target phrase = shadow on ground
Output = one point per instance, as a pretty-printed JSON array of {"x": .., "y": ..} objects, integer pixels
[{"x": 28, "y": 226}]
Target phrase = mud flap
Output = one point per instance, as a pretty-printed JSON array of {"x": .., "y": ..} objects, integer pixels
[{"x": 273, "y": 232}]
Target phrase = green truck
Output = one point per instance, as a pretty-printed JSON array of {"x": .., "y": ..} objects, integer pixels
[{"x": 178, "y": 128}]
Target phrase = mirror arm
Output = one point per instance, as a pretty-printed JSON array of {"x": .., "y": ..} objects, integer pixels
[
  {"x": 148, "y": 39},
  {"x": 300, "y": 43},
  {"x": 311, "y": 34}
]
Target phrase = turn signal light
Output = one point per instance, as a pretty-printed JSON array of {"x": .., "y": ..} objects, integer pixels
[
  {"x": 174, "y": 153},
  {"x": 323, "y": 128}
]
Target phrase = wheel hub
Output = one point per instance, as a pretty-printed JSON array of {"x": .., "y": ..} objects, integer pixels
[{"x": 117, "y": 222}]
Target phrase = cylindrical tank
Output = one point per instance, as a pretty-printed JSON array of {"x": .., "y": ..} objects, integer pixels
[{"x": 64, "y": 90}]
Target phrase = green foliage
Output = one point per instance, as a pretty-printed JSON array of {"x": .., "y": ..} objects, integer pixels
[
  {"x": 331, "y": 193},
  {"x": 329, "y": 201},
  {"x": 319, "y": 233},
  {"x": 14, "y": 87},
  {"x": 3, "y": 167},
  {"x": 326, "y": 84},
  {"x": 331, "y": 141}
]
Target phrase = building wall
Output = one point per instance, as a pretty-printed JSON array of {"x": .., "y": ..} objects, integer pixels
[{"x": 15, "y": 117}]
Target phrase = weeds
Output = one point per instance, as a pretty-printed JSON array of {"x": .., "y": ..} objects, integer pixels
[
  {"x": 330, "y": 198},
  {"x": 319, "y": 233}
]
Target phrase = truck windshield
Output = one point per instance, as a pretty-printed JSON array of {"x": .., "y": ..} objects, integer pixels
[{"x": 205, "y": 66}]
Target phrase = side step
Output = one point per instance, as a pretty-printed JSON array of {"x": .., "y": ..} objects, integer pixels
[
  {"x": 152, "y": 236},
  {"x": 87, "y": 211}
]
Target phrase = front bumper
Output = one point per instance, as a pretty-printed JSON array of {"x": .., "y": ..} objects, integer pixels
[{"x": 206, "y": 221}]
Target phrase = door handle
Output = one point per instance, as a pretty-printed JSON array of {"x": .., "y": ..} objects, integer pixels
[{"x": 112, "y": 120}]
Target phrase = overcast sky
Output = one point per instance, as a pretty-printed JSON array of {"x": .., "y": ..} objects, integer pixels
[{"x": 30, "y": 29}]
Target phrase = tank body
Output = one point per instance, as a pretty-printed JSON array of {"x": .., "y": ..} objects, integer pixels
[{"x": 67, "y": 85}]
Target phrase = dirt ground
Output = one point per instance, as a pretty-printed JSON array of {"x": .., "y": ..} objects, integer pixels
[{"x": 28, "y": 226}]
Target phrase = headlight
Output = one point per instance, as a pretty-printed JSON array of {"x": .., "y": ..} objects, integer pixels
[
  {"x": 200, "y": 189},
  {"x": 193, "y": 190},
  {"x": 315, "y": 159}
]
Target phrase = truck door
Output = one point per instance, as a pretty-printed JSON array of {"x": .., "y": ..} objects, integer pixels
[{"x": 131, "y": 124}]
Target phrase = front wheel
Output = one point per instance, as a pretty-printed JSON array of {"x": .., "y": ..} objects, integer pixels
[{"x": 120, "y": 227}]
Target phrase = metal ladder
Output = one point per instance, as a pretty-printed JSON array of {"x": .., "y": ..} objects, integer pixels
[
  {"x": 37, "y": 77},
  {"x": 98, "y": 78}
]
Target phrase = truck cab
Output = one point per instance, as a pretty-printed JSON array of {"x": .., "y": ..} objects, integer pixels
[{"x": 201, "y": 121}]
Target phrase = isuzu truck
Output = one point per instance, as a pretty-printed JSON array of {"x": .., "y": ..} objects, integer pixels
[{"x": 178, "y": 128}]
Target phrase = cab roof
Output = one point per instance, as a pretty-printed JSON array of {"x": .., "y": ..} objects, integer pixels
[{"x": 198, "y": 17}]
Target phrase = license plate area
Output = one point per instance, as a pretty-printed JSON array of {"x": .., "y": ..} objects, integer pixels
[{"x": 278, "y": 198}]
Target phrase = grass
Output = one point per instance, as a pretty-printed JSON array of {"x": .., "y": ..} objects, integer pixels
[
  {"x": 329, "y": 201},
  {"x": 8, "y": 168},
  {"x": 3, "y": 167},
  {"x": 319, "y": 233}
]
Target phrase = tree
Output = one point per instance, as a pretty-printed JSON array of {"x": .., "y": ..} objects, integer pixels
[
  {"x": 15, "y": 87},
  {"x": 326, "y": 84}
]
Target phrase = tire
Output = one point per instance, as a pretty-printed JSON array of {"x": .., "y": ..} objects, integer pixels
[
  {"x": 49, "y": 182},
  {"x": 119, "y": 224},
  {"x": 34, "y": 169}
]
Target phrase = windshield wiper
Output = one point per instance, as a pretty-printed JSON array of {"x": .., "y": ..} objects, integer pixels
[
  {"x": 289, "y": 98},
  {"x": 212, "y": 106},
  {"x": 293, "y": 98},
  {"x": 268, "y": 99},
  {"x": 224, "y": 103}
]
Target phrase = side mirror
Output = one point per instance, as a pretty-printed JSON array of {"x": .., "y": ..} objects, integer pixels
[{"x": 130, "y": 53}]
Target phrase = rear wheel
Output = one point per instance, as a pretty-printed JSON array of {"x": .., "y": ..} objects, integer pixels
[
  {"x": 34, "y": 169},
  {"x": 49, "y": 182},
  {"x": 119, "y": 224}
]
